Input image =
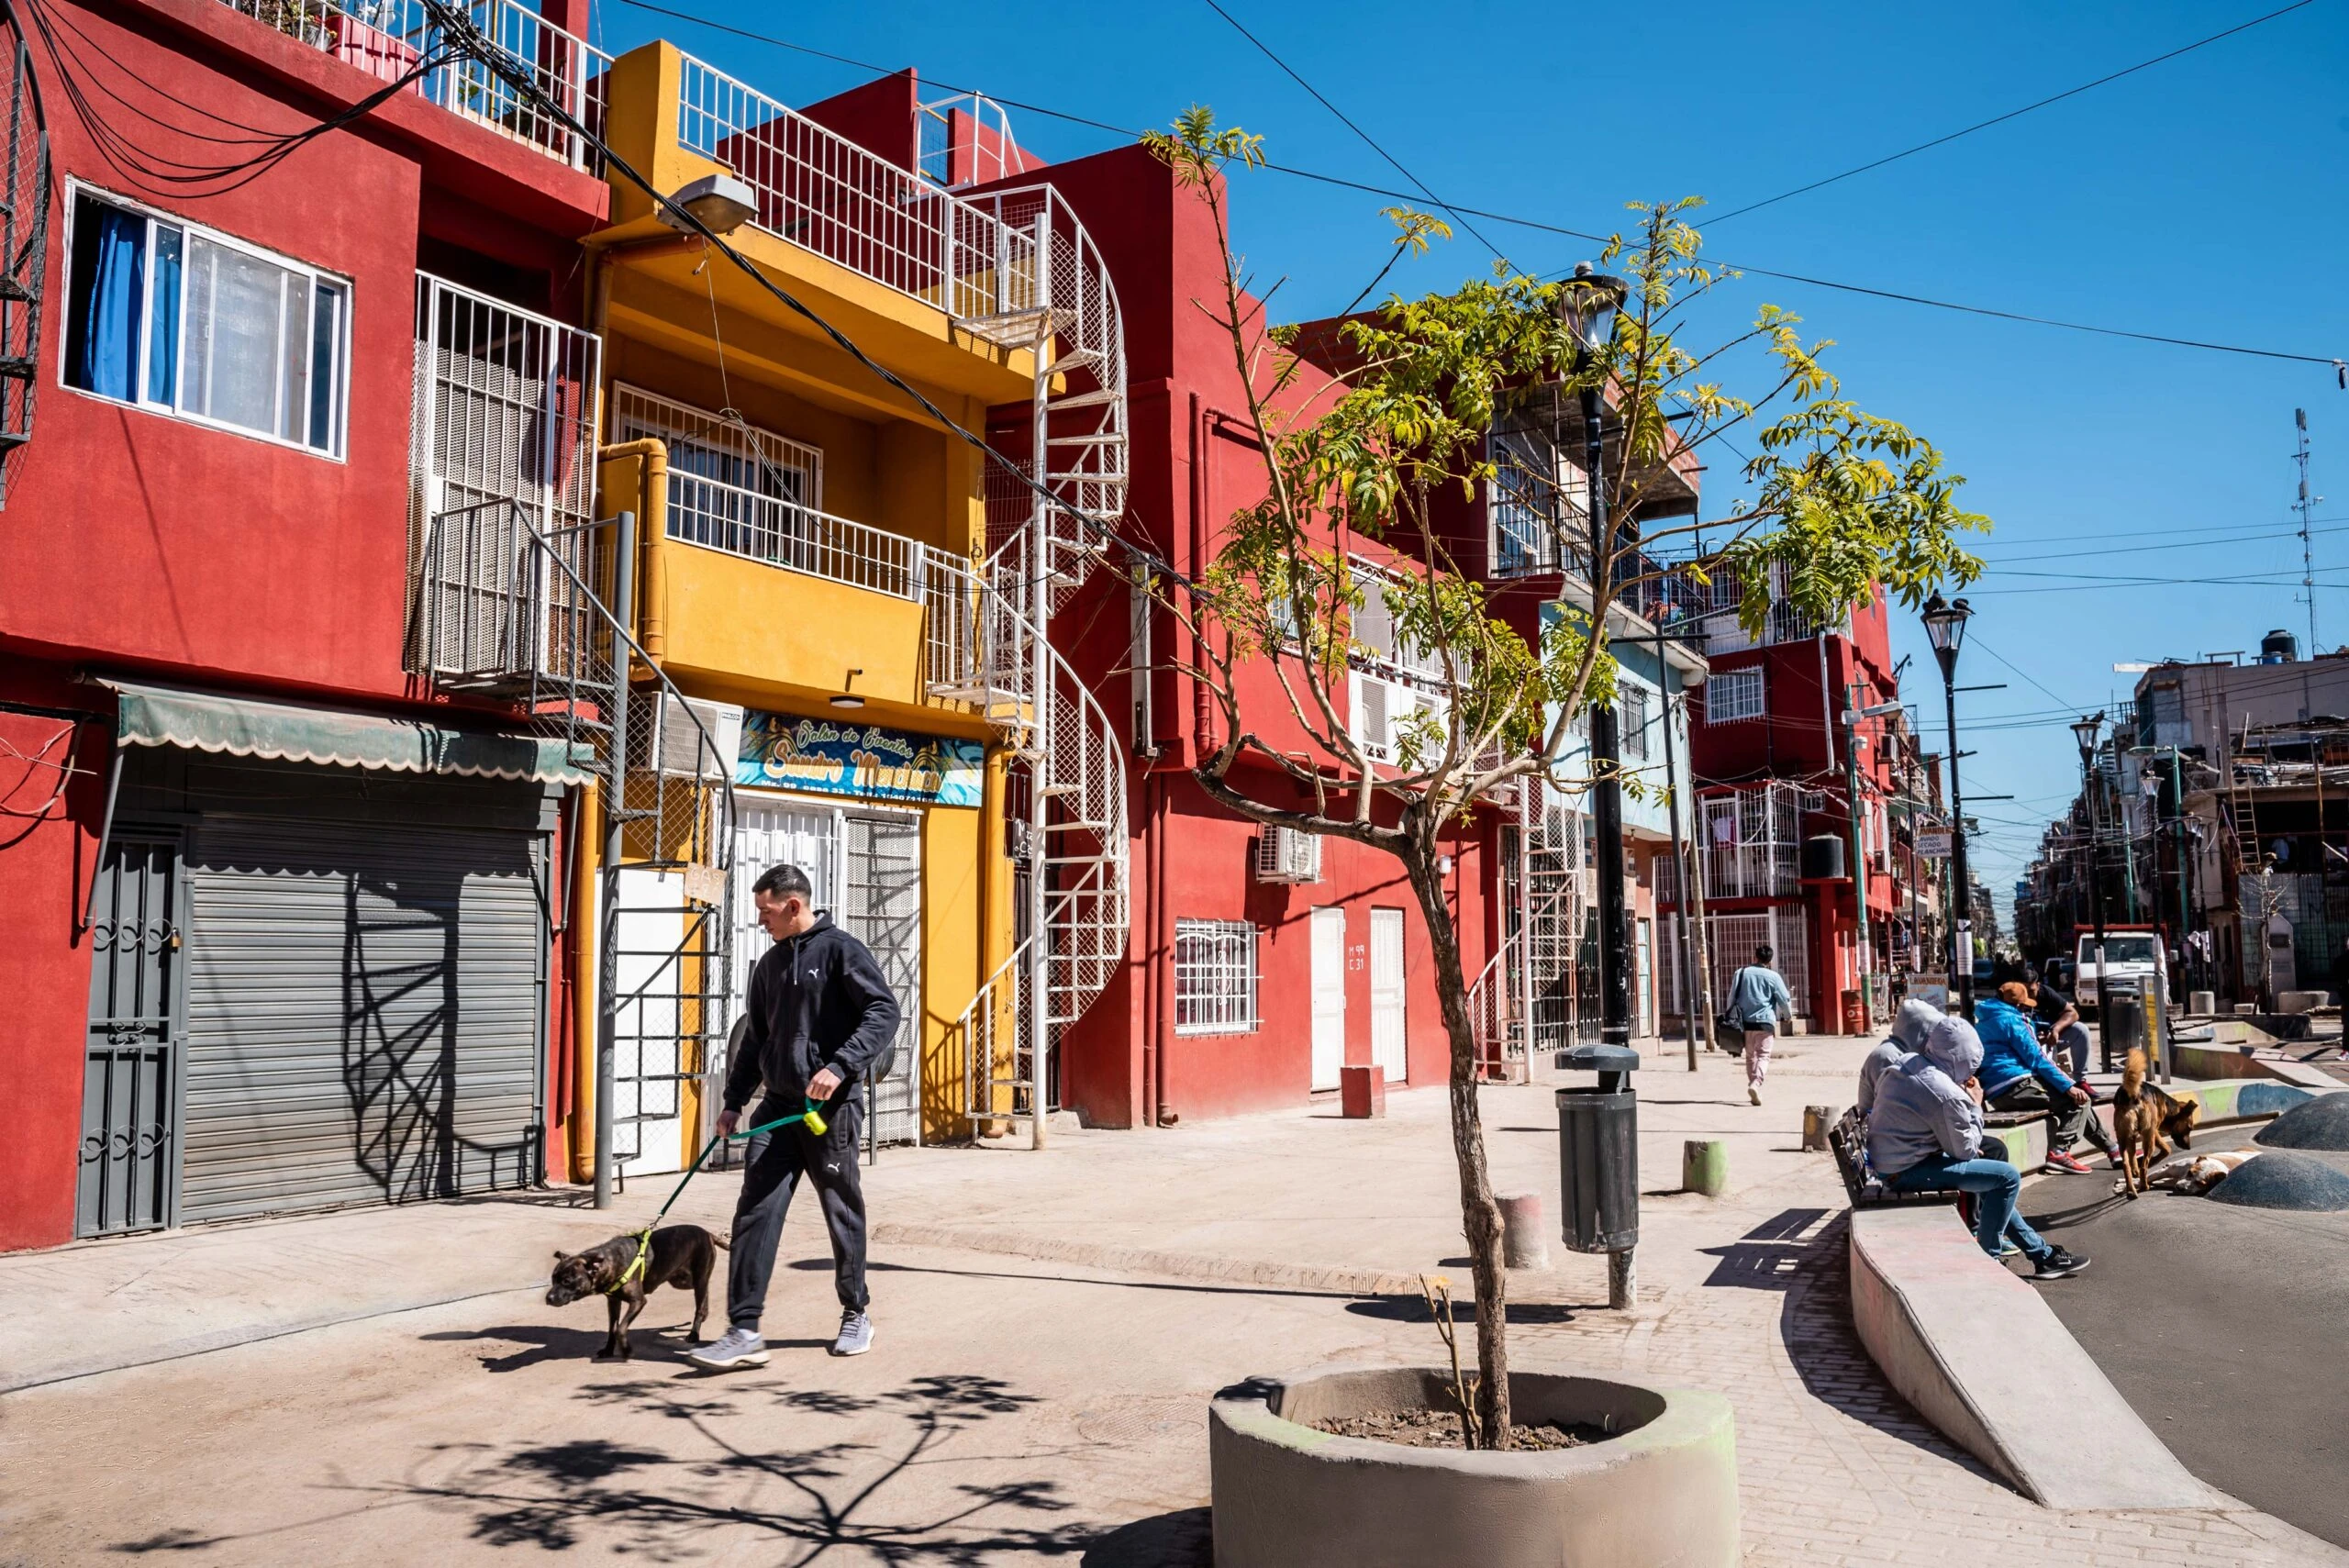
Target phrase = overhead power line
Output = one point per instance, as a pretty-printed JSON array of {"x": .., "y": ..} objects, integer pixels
[
  {"x": 1372, "y": 141},
  {"x": 2009, "y": 114},
  {"x": 2339, "y": 366}
]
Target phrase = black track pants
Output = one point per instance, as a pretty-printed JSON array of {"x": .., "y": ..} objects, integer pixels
[{"x": 777, "y": 1162}]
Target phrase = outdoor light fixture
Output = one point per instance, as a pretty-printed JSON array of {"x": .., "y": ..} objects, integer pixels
[
  {"x": 721, "y": 203},
  {"x": 2085, "y": 731},
  {"x": 1946, "y": 625},
  {"x": 845, "y": 697},
  {"x": 1588, "y": 303}
]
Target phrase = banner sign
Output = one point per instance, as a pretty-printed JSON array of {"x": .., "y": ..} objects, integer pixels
[
  {"x": 872, "y": 761},
  {"x": 1933, "y": 844}
]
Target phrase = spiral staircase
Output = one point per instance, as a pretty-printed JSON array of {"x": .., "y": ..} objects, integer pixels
[{"x": 991, "y": 648}]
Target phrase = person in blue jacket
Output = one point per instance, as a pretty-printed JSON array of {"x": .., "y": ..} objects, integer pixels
[{"x": 2017, "y": 1075}]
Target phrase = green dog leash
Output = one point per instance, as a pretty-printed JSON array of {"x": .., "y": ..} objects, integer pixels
[{"x": 811, "y": 1115}]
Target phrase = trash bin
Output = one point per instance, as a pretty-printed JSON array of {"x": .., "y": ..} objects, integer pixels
[
  {"x": 2125, "y": 1030},
  {"x": 1598, "y": 1151}
]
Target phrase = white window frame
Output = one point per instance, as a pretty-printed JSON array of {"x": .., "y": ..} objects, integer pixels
[
  {"x": 1717, "y": 709},
  {"x": 1634, "y": 713},
  {"x": 337, "y": 450},
  {"x": 1215, "y": 977}
]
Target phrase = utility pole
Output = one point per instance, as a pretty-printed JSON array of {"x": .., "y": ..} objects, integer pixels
[{"x": 2308, "y": 556}]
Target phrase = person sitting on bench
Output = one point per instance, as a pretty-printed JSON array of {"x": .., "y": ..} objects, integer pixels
[
  {"x": 1909, "y": 1025},
  {"x": 2017, "y": 1075},
  {"x": 1925, "y": 1135}
]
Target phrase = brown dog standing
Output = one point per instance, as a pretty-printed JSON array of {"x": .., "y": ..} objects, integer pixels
[
  {"x": 2137, "y": 1125},
  {"x": 679, "y": 1255}
]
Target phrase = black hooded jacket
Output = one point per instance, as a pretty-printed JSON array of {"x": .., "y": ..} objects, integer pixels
[{"x": 817, "y": 1000}]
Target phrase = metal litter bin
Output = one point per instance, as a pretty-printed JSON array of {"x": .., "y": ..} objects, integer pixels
[
  {"x": 1598, "y": 1151},
  {"x": 2125, "y": 1030}
]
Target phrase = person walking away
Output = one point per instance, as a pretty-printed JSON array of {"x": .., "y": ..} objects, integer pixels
[
  {"x": 1758, "y": 1000},
  {"x": 819, "y": 1015},
  {"x": 1925, "y": 1134},
  {"x": 2017, "y": 1075},
  {"x": 1910, "y": 1025}
]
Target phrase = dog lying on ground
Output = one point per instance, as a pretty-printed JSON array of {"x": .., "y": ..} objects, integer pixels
[
  {"x": 678, "y": 1255},
  {"x": 2207, "y": 1171}
]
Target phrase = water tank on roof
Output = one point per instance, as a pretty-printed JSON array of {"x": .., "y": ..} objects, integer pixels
[
  {"x": 2278, "y": 647},
  {"x": 1823, "y": 857}
]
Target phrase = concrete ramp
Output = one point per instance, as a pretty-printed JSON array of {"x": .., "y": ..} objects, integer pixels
[{"x": 1981, "y": 1357}]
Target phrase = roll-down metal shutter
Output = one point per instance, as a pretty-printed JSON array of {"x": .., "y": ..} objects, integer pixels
[{"x": 363, "y": 1014}]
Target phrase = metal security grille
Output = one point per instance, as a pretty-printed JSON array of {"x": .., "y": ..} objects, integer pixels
[
  {"x": 1215, "y": 976},
  {"x": 1731, "y": 694},
  {"x": 505, "y": 411},
  {"x": 138, "y": 1039},
  {"x": 1730, "y": 941},
  {"x": 881, "y": 906},
  {"x": 365, "y": 1010}
]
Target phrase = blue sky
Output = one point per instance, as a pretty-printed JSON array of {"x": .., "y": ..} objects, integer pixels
[{"x": 2202, "y": 198}]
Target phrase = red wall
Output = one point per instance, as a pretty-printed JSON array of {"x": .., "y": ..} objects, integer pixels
[{"x": 140, "y": 543}]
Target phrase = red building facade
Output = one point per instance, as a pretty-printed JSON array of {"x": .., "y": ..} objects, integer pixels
[{"x": 205, "y": 593}]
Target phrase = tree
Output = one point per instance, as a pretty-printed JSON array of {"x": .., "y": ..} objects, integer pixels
[{"x": 1843, "y": 505}]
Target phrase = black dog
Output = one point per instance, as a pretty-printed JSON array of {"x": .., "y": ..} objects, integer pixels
[{"x": 679, "y": 1255}]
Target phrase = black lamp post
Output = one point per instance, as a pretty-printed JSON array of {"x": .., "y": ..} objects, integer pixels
[
  {"x": 1946, "y": 625},
  {"x": 1588, "y": 303},
  {"x": 2085, "y": 732}
]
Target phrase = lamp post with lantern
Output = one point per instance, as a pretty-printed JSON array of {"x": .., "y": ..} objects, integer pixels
[{"x": 1945, "y": 626}]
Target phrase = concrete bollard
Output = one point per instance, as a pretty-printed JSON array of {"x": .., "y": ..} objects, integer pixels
[
  {"x": 2203, "y": 1003},
  {"x": 1816, "y": 1120},
  {"x": 1361, "y": 1092},
  {"x": 1704, "y": 1166},
  {"x": 1525, "y": 1240}
]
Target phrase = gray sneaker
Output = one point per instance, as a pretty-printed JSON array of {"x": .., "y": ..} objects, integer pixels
[
  {"x": 735, "y": 1348},
  {"x": 856, "y": 1334}
]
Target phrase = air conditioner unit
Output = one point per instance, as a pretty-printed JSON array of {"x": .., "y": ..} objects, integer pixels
[
  {"x": 1289, "y": 854},
  {"x": 683, "y": 754}
]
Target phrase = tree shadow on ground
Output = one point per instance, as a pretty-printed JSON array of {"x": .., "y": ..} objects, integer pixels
[
  {"x": 1815, "y": 1324},
  {"x": 1185, "y": 1538},
  {"x": 658, "y": 1500},
  {"x": 1414, "y": 1309}
]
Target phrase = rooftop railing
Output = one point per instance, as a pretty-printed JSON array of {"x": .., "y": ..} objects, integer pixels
[
  {"x": 388, "y": 39},
  {"x": 824, "y": 192}
]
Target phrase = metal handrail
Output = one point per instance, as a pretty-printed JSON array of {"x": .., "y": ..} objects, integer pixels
[
  {"x": 388, "y": 39},
  {"x": 714, "y": 515}
]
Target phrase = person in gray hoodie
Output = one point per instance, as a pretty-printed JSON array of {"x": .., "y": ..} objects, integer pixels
[
  {"x": 1925, "y": 1135},
  {"x": 1909, "y": 1025}
]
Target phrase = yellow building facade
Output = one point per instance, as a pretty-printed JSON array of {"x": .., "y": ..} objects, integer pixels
[{"x": 799, "y": 525}]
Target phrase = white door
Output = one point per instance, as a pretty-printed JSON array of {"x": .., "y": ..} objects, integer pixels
[
  {"x": 1647, "y": 979},
  {"x": 1329, "y": 996},
  {"x": 1386, "y": 1043},
  {"x": 647, "y": 1110}
]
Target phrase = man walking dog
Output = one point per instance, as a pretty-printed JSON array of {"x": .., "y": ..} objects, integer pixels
[{"x": 819, "y": 1017}]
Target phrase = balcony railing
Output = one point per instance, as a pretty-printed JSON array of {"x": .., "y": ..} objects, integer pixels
[
  {"x": 854, "y": 208},
  {"x": 388, "y": 39},
  {"x": 783, "y": 533}
]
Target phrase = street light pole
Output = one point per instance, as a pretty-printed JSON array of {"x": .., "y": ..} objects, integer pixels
[
  {"x": 2085, "y": 732},
  {"x": 1946, "y": 625},
  {"x": 1590, "y": 302}
]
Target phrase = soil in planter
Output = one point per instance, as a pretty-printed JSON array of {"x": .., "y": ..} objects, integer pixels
[{"x": 1441, "y": 1429}]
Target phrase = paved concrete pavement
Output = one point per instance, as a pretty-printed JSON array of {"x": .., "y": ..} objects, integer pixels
[
  {"x": 2221, "y": 1326},
  {"x": 1050, "y": 1328}
]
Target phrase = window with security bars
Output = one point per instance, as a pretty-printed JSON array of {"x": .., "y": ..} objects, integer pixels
[
  {"x": 1633, "y": 710},
  {"x": 1733, "y": 695},
  {"x": 731, "y": 485},
  {"x": 1215, "y": 977}
]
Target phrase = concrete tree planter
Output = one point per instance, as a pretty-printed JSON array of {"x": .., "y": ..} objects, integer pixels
[{"x": 1662, "y": 1494}]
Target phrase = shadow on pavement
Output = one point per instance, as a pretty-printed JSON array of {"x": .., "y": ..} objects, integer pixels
[
  {"x": 1414, "y": 1309},
  {"x": 894, "y": 1488},
  {"x": 1185, "y": 1538},
  {"x": 1815, "y": 1325}
]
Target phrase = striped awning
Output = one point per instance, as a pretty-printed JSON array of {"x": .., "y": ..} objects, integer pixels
[{"x": 298, "y": 732}]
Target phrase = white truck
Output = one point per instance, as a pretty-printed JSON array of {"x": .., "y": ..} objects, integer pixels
[{"x": 2132, "y": 954}]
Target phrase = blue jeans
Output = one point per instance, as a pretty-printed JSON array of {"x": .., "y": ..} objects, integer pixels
[{"x": 1994, "y": 1185}]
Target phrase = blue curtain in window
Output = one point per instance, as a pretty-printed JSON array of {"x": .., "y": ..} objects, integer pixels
[{"x": 110, "y": 288}]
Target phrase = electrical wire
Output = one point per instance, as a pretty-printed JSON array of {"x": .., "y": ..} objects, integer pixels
[
  {"x": 1535, "y": 224},
  {"x": 2009, "y": 114},
  {"x": 1370, "y": 141}
]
